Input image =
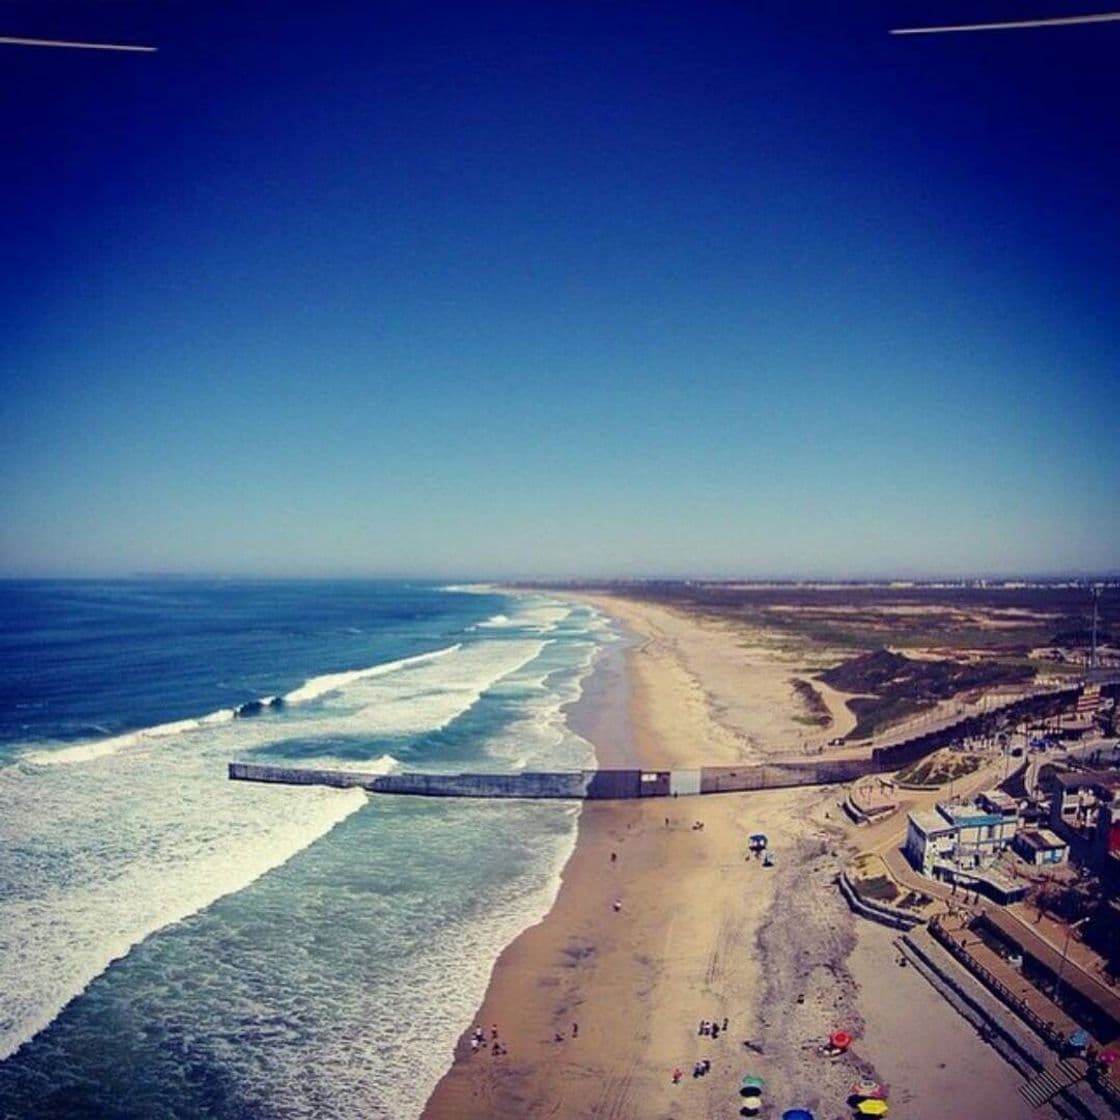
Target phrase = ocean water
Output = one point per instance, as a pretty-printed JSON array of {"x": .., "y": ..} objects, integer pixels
[{"x": 173, "y": 944}]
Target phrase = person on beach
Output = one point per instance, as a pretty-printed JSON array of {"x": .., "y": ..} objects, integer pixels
[
  {"x": 493, "y": 1030},
  {"x": 614, "y": 857},
  {"x": 715, "y": 1030},
  {"x": 617, "y": 904},
  {"x": 724, "y": 1027},
  {"x": 677, "y": 1075},
  {"x": 575, "y": 1030},
  {"x": 474, "y": 1045}
]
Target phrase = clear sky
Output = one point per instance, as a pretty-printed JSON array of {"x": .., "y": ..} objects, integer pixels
[{"x": 559, "y": 289}]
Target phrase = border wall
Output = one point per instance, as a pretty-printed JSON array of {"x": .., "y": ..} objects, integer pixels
[{"x": 598, "y": 785}]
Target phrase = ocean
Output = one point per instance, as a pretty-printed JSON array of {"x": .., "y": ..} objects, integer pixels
[{"x": 173, "y": 944}]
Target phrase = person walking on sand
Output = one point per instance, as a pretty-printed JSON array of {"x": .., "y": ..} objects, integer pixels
[
  {"x": 677, "y": 1075},
  {"x": 617, "y": 904},
  {"x": 575, "y": 1030}
]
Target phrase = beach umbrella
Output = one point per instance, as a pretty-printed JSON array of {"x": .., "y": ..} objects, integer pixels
[
  {"x": 867, "y": 1088},
  {"x": 872, "y": 1108},
  {"x": 840, "y": 1039},
  {"x": 752, "y": 1082},
  {"x": 1079, "y": 1038},
  {"x": 750, "y": 1106},
  {"x": 759, "y": 840},
  {"x": 1107, "y": 1057},
  {"x": 797, "y": 1114}
]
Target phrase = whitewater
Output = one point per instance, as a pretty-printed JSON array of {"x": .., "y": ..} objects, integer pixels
[{"x": 150, "y": 867}]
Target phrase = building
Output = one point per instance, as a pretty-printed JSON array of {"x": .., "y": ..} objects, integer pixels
[
  {"x": 1040, "y": 846},
  {"x": 1081, "y": 806},
  {"x": 930, "y": 839},
  {"x": 961, "y": 834}
]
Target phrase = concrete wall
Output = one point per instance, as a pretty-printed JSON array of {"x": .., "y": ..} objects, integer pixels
[
  {"x": 625, "y": 784},
  {"x": 724, "y": 779}
]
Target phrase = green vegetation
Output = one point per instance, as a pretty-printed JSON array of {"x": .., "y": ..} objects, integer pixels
[
  {"x": 901, "y": 686},
  {"x": 1004, "y": 621},
  {"x": 878, "y": 889},
  {"x": 938, "y": 768},
  {"x": 818, "y": 713}
]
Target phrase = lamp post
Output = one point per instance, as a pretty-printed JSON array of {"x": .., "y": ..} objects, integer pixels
[{"x": 1065, "y": 955}]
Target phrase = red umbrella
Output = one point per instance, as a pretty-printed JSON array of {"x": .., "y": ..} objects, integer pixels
[
  {"x": 1107, "y": 1057},
  {"x": 840, "y": 1039}
]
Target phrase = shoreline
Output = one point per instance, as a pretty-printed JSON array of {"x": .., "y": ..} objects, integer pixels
[
  {"x": 682, "y": 947},
  {"x": 704, "y": 931},
  {"x": 601, "y": 715}
]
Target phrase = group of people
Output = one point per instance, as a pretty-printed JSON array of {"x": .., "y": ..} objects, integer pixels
[
  {"x": 711, "y": 1027},
  {"x": 478, "y": 1041}
]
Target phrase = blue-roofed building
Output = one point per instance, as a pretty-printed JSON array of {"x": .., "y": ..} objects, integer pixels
[{"x": 962, "y": 834}]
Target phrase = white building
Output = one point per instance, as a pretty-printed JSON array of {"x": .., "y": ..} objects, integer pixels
[{"x": 962, "y": 834}]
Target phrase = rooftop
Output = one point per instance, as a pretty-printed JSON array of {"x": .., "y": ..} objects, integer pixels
[
  {"x": 929, "y": 821},
  {"x": 965, "y": 814},
  {"x": 1042, "y": 839},
  {"x": 1004, "y": 802}
]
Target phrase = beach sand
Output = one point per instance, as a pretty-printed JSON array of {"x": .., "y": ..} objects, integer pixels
[{"x": 703, "y": 932}]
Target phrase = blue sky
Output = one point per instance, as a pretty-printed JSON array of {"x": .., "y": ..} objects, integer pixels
[{"x": 595, "y": 289}]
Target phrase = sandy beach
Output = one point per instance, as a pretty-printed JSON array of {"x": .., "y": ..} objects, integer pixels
[{"x": 597, "y": 1006}]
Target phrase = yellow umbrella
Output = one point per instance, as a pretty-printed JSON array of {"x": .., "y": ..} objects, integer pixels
[{"x": 872, "y": 1108}]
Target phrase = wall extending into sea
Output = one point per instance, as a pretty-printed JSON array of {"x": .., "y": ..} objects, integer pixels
[{"x": 595, "y": 785}]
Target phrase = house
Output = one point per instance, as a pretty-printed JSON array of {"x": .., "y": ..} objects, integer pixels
[
  {"x": 1040, "y": 846},
  {"x": 1077, "y": 799},
  {"x": 964, "y": 834},
  {"x": 930, "y": 839}
]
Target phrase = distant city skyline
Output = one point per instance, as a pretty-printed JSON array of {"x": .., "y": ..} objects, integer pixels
[{"x": 589, "y": 291}]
